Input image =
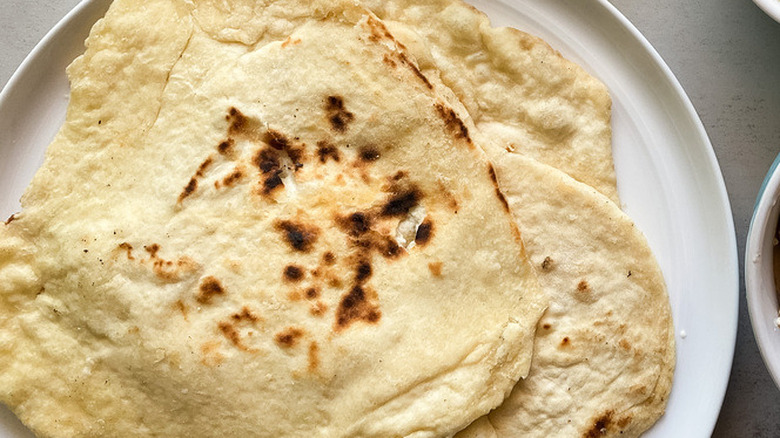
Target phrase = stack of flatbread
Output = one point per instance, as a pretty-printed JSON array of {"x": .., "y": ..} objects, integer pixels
[{"x": 325, "y": 218}]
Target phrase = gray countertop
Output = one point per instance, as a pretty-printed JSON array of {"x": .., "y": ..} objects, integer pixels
[{"x": 726, "y": 55}]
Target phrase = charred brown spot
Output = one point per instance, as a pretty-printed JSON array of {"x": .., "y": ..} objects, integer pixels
[
  {"x": 152, "y": 249},
  {"x": 364, "y": 243},
  {"x": 629, "y": 274},
  {"x": 173, "y": 271},
  {"x": 600, "y": 426},
  {"x": 369, "y": 154},
  {"x": 312, "y": 293},
  {"x": 583, "y": 286},
  {"x": 318, "y": 309},
  {"x": 378, "y": 30},
  {"x": 314, "y": 358},
  {"x": 435, "y": 268},
  {"x": 233, "y": 178},
  {"x": 339, "y": 121},
  {"x": 289, "y": 337},
  {"x": 239, "y": 123},
  {"x": 546, "y": 326},
  {"x": 271, "y": 183},
  {"x": 230, "y": 332},
  {"x": 624, "y": 344},
  {"x": 329, "y": 258},
  {"x": 390, "y": 248},
  {"x": 182, "y": 308},
  {"x": 356, "y": 306},
  {"x": 492, "y": 173},
  {"x": 226, "y": 147},
  {"x": 300, "y": 237},
  {"x": 293, "y": 273},
  {"x": 415, "y": 70},
  {"x": 501, "y": 198},
  {"x": 204, "y": 166},
  {"x": 398, "y": 176},
  {"x": 245, "y": 315},
  {"x": 280, "y": 142},
  {"x": 296, "y": 155},
  {"x": 337, "y": 114},
  {"x": 327, "y": 151},
  {"x": 389, "y": 61},
  {"x": 335, "y": 103},
  {"x": 355, "y": 297},
  {"x": 355, "y": 224},
  {"x": 10, "y": 219},
  {"x": 188, "y": 189},
  {"x": 129, "y": 248},
  {"x": 359, "y": 223},
  {"x": 363, "y": 271},
  {"x": 276, "y": 140},
  {"x": 294, "y": 295},
  {"x": 547, "y": 264},
  {"x": 399, "y": 204},
  {"x": 267, "y": 160},
  {"x": 453, "y": 123},
  {"x": 424, "y": 232},
  {"x": 386, "y": 246},
  {"x": 209, "y": 288},
  {"x": 565, "y": 341}
]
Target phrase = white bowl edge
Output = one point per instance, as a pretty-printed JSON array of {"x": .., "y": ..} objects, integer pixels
[{"x": 759, "y": 274}]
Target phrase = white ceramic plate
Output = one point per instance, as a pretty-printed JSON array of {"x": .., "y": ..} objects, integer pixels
[{"x": 668, "y": 177}]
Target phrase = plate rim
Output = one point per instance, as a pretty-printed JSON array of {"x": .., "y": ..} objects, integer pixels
[
  {"x": 713, "y": 167},
  {"x": 47, "y": 39}
]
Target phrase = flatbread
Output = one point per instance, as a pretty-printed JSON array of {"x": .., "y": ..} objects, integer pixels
[
  {"x": 259, "y": 219},
  {"x": 604, "y": 353},
  {"x": 522, "y": 95}
]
